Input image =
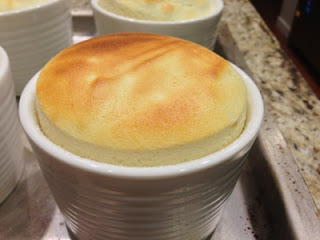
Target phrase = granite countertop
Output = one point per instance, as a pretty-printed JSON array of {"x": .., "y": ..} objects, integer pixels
[{"x": 294, "y": 106}]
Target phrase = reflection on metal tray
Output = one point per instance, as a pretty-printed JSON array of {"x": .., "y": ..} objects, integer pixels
[{"x": 270, "y": 200}]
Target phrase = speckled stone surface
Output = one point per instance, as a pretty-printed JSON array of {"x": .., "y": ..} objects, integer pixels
[{"x": 294, "y": 106}]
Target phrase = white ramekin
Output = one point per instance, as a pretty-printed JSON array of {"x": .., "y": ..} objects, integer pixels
[
  {"x": 201, "y": 30},
  {"x": 32, "y": 36},
  {"x": 11, "y": 146},
  {"x": 103, "y": 201}
]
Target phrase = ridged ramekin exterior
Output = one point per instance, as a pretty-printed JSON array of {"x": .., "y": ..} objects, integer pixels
[
  {"x": 202, "y": 31},
  {"x": 101, "y": 201},
  {"x": 31, "y": 37},
  {"x": 11, "y": 147},
  {"x": 101, "y": 207}
]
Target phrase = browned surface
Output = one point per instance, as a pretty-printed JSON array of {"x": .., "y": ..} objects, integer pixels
[{"x": 140, "y": 91}]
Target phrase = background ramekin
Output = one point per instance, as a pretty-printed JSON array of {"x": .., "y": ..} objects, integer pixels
[
  {"x": 202, "y": 30},
  {"x": 11, "y": 146},
  {"x": 103, "y": 201},
  {"x": 33, "y": 35}
]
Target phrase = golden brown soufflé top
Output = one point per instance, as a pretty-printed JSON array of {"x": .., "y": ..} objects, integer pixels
[{"x": 139, "y": 99}]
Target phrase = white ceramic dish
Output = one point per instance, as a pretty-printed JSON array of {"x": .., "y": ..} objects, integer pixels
[
  {"x": 103, "y": 201},
  {"x": 199, "y": 30},
  {"x": 33, "y": 35},
  {"x": 11, "y": 147}
]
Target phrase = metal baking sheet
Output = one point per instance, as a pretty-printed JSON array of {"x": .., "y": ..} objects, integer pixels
[{"x": 270, "y": 200}]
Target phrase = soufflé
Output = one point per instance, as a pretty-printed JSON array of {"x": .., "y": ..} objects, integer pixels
[
  {"x": 138, "y": 99},
  {"x": 159, "y": 10},
  {"x": 12, "y": 5}
]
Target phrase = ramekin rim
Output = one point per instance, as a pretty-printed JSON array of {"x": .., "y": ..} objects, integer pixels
[
  {"x": 215, "y": 13},
  {"x": 30, "y": 8}
]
